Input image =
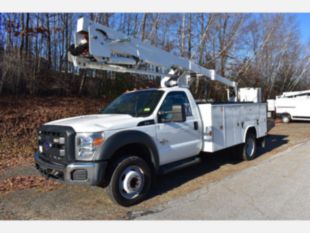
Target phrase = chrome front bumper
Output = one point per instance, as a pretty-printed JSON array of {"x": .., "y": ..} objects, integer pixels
[{"x": 91, "y": 173}]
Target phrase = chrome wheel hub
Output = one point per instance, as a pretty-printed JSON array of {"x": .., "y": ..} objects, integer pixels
[
  {"x": 250, "y": 146},
  {"x": 131, "y": 182}
]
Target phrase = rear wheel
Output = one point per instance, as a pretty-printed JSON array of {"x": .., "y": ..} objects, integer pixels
[
  {"x": 130, "y": 181},
  {"x": 248, "y": 149}
]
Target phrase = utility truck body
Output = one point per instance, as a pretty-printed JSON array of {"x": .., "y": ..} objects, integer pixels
[
  {"x": 228, "y": 123},
  {"x": 143, "y": 133}
]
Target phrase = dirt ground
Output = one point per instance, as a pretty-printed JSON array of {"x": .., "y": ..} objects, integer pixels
[{"x": 60, "y": 201}]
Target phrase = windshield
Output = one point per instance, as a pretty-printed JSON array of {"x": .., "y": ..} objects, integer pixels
[{"x": 136, "y": 104}]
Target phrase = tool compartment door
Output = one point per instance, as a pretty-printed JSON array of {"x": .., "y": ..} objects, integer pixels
[{"x": 232, "y": 127}]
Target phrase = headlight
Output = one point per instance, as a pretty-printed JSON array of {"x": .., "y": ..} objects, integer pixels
[{"x": 88, "y": 145}]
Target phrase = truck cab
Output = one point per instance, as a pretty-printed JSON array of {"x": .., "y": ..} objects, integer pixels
[{"x": 162, "y": 124}]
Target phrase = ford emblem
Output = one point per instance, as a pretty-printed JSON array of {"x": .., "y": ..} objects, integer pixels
[{"x": 47, "y": 145}]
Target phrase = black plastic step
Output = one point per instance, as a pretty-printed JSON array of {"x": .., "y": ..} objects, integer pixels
[{"x": 179, "y": 165}]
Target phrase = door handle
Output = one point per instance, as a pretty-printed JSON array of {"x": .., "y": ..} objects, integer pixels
[
  {"x": 163, "y": 141},
  {"x": 195, "y": 125}
]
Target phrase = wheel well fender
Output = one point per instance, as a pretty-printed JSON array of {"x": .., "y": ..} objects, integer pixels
[
  {"x": 249, "y": 129},
  {"x": 131, "y": 140},
  {"x": 285, "y": 114}
]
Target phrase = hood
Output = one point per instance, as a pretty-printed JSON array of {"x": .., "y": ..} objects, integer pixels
[{"x": 98, "y": 122}]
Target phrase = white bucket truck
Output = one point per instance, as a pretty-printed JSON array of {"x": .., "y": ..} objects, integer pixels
[{"x": 147, "y": 132}]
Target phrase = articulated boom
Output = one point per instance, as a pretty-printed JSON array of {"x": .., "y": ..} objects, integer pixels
[{"x": 99, "y": 47}]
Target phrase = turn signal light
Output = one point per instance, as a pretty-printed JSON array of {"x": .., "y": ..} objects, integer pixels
[{"x": 98, "y": 141}]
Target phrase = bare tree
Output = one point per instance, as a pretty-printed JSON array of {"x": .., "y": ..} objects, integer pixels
[
  {"x": 182, "y": 44},
  {"x": 143, "y": 26},
  {"x": 48, "y": 39}
]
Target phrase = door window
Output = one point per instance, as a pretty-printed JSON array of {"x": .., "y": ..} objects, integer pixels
[{"x": 175, "y": 99}]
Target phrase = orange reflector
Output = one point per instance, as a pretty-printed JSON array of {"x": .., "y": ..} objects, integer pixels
[{"x": 98, "y": 141}]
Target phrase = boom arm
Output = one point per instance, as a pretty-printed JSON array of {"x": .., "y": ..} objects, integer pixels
[{"x": 99, "y": 47}]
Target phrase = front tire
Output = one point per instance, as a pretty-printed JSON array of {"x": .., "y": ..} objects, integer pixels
[
  {"x": 248, "y": 150},
  {"x": 286, "y": 118},
  {"x": 130, "y": 181}
]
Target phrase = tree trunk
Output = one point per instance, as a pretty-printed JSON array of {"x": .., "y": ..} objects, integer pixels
[
  {"x": 204, "y": 36},
  {"x": 83, "y": 79},
  {"x": 49, "y": 48},
  {"x": 3, "y": 76},
  {"x": 153, "y": 34},
  {"x": 106, "y": 19},
  {"x": 189, "y": 47},
  {"x": 21, "y": 48},
  {"x": 183, "y": 36},
  {"x": 27, "y": 34},
  {"x": 144, "y": 20},
  {"x": 223, "y": 52}
]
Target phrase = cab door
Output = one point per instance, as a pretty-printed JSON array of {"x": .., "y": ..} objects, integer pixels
[{"x": 177, "y": 138}]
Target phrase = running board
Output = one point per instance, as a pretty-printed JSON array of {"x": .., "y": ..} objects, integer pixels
[
  {"x": 300, "y": 118},
  {"x": 170, "y": 167}
]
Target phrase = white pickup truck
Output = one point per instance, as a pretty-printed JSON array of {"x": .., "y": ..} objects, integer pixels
[{"x": 143, "y": 133}]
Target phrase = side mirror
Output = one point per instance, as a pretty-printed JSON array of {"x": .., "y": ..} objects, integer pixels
[{"x": 176, "y": 115}]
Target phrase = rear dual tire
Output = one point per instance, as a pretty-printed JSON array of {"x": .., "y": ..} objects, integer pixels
[
  {"x": 247, "y": 150},
  {"x": 249, "y": 147}
]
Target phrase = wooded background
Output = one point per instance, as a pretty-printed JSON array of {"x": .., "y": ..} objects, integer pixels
[{"x": 256, "y": 50}]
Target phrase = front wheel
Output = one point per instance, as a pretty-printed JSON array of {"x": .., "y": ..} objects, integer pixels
[
  {"x": 130, "y": 181},
  {"x": 286, "y": 118},
  {"x": 248, "y": 151}
]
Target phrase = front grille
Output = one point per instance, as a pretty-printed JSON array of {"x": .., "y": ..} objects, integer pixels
[
  {"x": 50, "y": 146},
  {"x": 56, "y": 143}
]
